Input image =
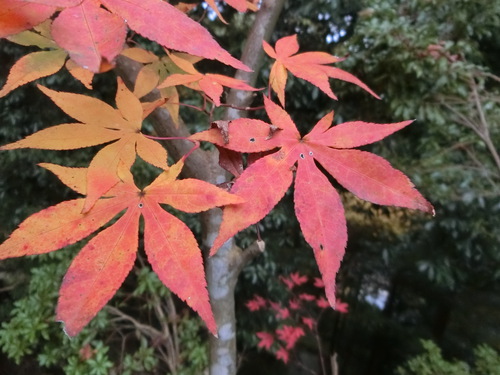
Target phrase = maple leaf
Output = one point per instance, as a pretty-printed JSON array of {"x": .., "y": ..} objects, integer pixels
[
  {"x": 322, "y": 303},
  {"x": 289, "y": 283},
  {"x": 20, "y": 15},
  {"x": 154, "y": 71},
  {"x": 256, "y": 303},
  {"x": 297, "y": 278},
  {"x": 99, "y": 123},
  {"x": 103, "y": 263},
  {"x": 210, "y": 84},
  {"x": 40, "y": 64},
  {"x": 266, "y": 340},
  {"x": 318, "y": 206},
  {"x": 181, "y": 33},
  {"x": 318, "y": 283},
  {"x": 309, "y": 322},
  {"x": 90, "y": 32},
  {"x": 342, "y": 307},
  {"x": 282, "y": 354},
  {"x": 289, "y": 335},
  {"x": 307, "y": 297},
  {"x": 283, "y": 313},
  {"x": 295, "y": 304},
  {"x": 310, "y": 66}
]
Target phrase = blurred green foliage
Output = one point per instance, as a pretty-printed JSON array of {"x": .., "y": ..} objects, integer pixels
[{"x": 431, "y": 362}]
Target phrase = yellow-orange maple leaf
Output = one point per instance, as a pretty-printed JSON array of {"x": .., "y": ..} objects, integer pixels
[{"x": 99, "y": 123}]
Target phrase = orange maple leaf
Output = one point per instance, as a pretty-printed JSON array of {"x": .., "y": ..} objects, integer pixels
[
  {"x": 102, "y": 265},
  {"x": 210, "y": 84},
  {"x": 310, "y": 66},
  {"x": 99, "y": 123},
  {"x": 44, "y": 63},
  {"x": 318, "y": 206},
  {"x": 154, "y": 71}
]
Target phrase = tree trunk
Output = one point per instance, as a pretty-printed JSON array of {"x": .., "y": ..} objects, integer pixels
[{"x": 223, "y": 268}]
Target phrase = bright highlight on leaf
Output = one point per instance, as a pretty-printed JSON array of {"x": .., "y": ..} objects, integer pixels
[
  {"x": 317, "y": 204},
  {"x": 102, "y": 265},
  {"x": 310, "y": 66}
]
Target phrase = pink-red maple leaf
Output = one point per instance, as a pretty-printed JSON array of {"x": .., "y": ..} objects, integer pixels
[
  {"x": 342, "y": 307},
  {"x": 256, "y": 303},
  {"x": 322, "y": 303},
  {"x": 102, "y": 265},
  {"x": 309, "y": 322},
  {"x": 297, "y": 278},
  {"x": 318, "y": 206},
  {"x": 289, "y": 335},
  {"x": 307, "y": 297},
  {"x": 90, "y": 32},
  {"x": 289, "y": 283},
  {"x": 283, "y": 354},
  {"x": 310, "y": 66},
  {"x": 266, "y": 340}
]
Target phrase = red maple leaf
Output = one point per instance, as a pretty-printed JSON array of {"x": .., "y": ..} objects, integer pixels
[
  {"x": 266, "y": 340},
  {"x": 318, "y": 206},
  {"x": 323, "y": 303},
  {"x": 283, "y": 354},
  {"x": 289, "y": 335},
  {"x": 297, "y": 278},
  {"x": 256, "y": 304},
  {"x": 342, "y": 307},
  {"x": 282, "y": 313},
  {"x": 295, "y": 304},
  {"x": 102, "y": 265},
  {"x": 307, "y": 297},
  {"x": 318, "y": 283},
  {"x": 310, "y": 66},
  {"x": 289, "y": 283},
  {"x": 309, "y": 322},
  {"x": 90, "y": 32}
]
